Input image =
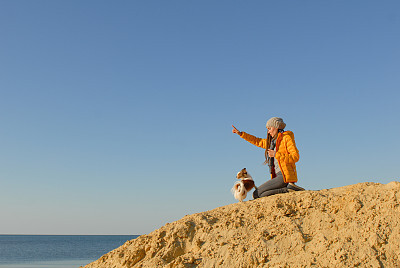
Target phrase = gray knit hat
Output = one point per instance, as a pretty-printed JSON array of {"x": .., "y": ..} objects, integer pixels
[{"x": 276, "y": 122}]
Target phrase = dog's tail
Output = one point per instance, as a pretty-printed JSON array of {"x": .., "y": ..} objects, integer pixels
[
  {"x": 239, "y": 190},
  {"x": 236, "y": 187}
]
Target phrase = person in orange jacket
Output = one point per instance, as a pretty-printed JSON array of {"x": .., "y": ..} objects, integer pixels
[{"x": 281, "y": 155}]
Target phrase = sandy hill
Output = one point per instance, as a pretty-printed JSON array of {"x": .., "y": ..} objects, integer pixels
[{"x": 351, "y": 226}]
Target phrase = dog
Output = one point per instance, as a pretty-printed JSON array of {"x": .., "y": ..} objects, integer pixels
[{"x": 240, "y": 188}]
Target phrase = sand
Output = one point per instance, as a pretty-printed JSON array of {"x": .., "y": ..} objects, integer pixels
[{"x": 355, "y": 225}]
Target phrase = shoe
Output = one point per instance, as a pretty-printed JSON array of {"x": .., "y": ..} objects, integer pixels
[
  {"x": 294, "y": 187},
  {"x": 255, "y": 194}
]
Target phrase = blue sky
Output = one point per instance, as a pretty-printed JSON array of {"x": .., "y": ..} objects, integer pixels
[{"x": 116, "y": 116}]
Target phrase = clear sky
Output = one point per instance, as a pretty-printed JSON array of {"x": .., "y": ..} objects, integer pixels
[{"x": 116, "y": 115}]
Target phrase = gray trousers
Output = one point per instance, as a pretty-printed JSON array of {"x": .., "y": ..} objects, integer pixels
[{"x": 274, "y": 186}]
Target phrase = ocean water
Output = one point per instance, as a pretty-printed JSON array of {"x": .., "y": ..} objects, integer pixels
[{"x": 56, "y": 251}]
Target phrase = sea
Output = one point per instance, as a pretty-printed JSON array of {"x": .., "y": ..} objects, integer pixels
[{"x": 56, "y": 251}]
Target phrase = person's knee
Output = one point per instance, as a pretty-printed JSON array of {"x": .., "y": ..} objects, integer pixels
[{"x": 272, "y": 192}]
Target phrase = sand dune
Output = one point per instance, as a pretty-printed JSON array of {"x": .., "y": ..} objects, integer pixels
[{"x": 356, "y": 225}]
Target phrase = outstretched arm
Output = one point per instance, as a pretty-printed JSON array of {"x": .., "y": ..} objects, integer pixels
[{"x": 250, "y": 138}]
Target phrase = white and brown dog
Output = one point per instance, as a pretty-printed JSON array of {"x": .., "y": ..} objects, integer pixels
[{"x": 246, "y": 183}]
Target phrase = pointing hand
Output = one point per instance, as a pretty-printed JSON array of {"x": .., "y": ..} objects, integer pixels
[{"x": 235, "y": 131}]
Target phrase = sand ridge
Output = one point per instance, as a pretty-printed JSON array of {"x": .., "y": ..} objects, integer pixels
[{"x": 355, "y": 225}]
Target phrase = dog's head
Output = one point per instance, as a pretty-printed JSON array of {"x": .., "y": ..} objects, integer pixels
[{"x": 242, "y": 174}]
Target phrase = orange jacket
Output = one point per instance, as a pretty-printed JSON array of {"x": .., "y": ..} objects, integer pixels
[{"x": 286, "y": 152}]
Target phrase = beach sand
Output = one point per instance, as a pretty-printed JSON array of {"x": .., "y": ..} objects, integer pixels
[{"x": 355, "y": 225}]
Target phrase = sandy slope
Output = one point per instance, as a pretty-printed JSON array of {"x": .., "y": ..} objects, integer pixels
[{"x": 356, "y": 225}]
